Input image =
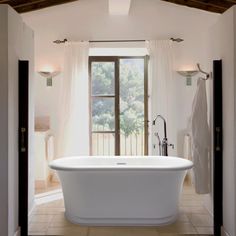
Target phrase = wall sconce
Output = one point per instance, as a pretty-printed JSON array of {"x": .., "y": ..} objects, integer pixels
[
  {"x": 49, "y": 75},
  {"x": 188, "y": 74}
]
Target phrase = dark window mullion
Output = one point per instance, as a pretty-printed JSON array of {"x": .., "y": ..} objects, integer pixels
[
  {"x": 146, "y": 105},
  {"x": 117, "y": 106}
]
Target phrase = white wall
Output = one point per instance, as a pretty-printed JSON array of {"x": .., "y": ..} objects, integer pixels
[
  {"x": 222, "y": 46},
  {"x": 18, "y": 46},
  {"x": 3, "y": 123},
  {"x": 148, "y": 19}
]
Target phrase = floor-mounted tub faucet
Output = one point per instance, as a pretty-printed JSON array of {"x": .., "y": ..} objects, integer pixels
[
  {"x": 159, "y": 142},
  {"x": 163, "y": 146}
]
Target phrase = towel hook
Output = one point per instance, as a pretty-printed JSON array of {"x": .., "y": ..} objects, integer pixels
[{"x": 203, "y": 72}]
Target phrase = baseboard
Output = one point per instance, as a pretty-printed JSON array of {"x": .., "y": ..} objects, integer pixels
[
  {"x": 224, "y": 232},
  {"x": 17, "y": 233}
]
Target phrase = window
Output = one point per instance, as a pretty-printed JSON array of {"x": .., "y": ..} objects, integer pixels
[{"x": 118, "y": 105}]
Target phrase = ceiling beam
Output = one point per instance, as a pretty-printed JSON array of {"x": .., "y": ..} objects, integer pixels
[
  {"x": 22, "y": 6},
  {"x": 215, "y": 3},
  {"x": 216, "y": 6}
]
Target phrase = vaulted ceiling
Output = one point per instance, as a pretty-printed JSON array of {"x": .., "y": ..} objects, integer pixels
[{"x": 218, "y": 6}]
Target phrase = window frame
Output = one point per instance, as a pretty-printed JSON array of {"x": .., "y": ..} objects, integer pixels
[{"x": 116, "y": 96}]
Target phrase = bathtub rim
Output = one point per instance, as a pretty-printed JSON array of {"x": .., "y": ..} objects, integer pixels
[{"x": 187, "y": 164}]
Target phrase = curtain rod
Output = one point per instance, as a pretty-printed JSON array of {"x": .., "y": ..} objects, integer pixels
[{"x": 58, "y": 41}]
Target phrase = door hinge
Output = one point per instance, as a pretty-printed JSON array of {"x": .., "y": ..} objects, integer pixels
[
  {"x": 22, "y": 139},
  {"x": 218, "y": 133}
]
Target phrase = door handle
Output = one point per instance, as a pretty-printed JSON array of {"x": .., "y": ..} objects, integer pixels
[
  {"x": 218, "y": 138},
  {"x": 22, "y": 139}
]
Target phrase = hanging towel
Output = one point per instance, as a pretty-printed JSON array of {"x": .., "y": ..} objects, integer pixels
[
  {"x": 187, "y": 147},
  {"x": 200, "y": 137}
]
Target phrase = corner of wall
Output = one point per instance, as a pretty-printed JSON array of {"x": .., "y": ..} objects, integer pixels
[
  {"x": 4, "y": 119},
  {"x": 20, "y": 46}
]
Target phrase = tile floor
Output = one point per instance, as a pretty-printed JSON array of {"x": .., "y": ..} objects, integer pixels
[{"x": 194, "y": 219}]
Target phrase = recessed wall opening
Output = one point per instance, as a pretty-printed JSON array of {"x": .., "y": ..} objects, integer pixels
[{"x": 118, "y": 91}]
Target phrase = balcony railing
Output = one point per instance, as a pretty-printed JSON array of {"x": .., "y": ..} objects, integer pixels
[{"x": 103, "y": 144}]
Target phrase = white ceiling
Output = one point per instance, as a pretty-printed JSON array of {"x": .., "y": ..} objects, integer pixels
[
  {"x": 90, "y": 20},
  {"x": 119, "y": 7}
]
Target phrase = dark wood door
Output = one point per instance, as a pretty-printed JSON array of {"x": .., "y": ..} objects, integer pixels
[
  {"x": 218, "y": 147},
  {"x": 23, "y": 145}
]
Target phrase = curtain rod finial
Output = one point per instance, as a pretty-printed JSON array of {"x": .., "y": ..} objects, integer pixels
[
  {"x": 178, "y": 40},
  {"x": 58, "y": 41}
]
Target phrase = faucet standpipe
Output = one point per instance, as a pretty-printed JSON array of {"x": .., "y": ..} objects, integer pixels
[
  {"x": 159, "y": 142},
  {"x": 163, "y": 146}
]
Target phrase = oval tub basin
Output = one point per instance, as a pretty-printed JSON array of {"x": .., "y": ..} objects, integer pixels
[{"x": 121, "y": 191}]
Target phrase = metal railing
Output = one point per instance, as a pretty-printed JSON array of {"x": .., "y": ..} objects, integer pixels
[{"x": 104, "y": 144}]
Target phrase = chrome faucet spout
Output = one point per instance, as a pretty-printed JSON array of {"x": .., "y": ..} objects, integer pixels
[
  {"x": 164, "y": 144},
  {"x": 164, "y": 121}
]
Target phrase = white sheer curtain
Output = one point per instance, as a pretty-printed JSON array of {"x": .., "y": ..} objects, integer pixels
[
  {"x": 73, "y": 120},
  {"x": 160, "y": 89}
]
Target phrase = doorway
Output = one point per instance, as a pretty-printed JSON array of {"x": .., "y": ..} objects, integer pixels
[{"x": 217, "y": 167}]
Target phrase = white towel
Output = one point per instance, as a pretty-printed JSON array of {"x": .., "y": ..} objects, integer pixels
[
  {"x": 187, "y": 147},
  {"x": 200, "y": 137},
  {"x": 50, "y": 148}
]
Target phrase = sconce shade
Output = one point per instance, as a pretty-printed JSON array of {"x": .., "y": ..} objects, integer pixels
[
  {"x": 188, "y": 75},
  {"x": 48, "y": 76}
]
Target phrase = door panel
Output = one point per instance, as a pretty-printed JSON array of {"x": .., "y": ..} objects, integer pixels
[
  {"x": 103, "y": 108},
  {"x": 23, "y": 145},
  {"x": 132, "y": 103},
  {"x": 218, "y": 147}
]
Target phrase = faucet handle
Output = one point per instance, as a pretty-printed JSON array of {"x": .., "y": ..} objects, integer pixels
[{"x": 171, "y": 145}]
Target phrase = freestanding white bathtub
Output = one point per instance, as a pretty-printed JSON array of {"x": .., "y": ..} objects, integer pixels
[{"x": 121, "y": 190}]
